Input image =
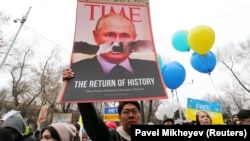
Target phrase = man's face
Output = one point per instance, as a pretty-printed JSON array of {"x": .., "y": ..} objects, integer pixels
[
  {"x": 235, "y": 118},
  {"x": 130, "y": 115},
  {"x": 114, "y": 28}
]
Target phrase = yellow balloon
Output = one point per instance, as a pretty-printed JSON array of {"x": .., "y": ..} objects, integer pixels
[{"x": 201, "y": 39}]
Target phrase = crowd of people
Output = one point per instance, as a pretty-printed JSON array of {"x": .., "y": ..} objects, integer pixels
[
  {"x": 204, "y": 118},
  {"x": 14, "y": 128}
]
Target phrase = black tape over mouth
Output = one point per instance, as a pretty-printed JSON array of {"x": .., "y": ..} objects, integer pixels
[{"x": 119, "y": 48}]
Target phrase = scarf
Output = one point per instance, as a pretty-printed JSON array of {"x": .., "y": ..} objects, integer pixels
[{"x": 123, "y": 133}]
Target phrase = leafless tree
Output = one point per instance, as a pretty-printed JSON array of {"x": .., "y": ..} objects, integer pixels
[
  {"x": 236, "y": 60},
  {"x": 4, "y": 20},
  {"x": 234, "y": 92}
]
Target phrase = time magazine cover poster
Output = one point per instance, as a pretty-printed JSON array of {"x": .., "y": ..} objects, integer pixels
[{"x": 113, "y": 54}]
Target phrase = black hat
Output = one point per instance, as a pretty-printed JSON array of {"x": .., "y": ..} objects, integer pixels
[{"x": 243, "y": 114}]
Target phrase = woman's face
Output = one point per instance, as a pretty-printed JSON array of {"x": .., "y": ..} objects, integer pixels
[
  {"x": 46, "y": 136},
  {"x": 204, "y": 118}
]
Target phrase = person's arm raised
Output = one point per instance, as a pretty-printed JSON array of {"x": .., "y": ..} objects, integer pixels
[{"x": 93, "y": 123}]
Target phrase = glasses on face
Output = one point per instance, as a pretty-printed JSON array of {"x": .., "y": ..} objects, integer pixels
[{"x": 127, "y": 112}]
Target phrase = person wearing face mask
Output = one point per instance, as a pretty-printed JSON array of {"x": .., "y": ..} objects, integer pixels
[{"x": 203, "y": 118}]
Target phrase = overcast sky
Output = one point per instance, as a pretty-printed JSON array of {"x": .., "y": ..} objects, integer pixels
[{"x": 55, "y": 21}]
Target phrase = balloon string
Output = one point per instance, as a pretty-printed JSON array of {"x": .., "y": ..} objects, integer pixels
[
  {"x": 172, "y": 105},
  {"x": 172, "y": 108},
  {"x": 179, "y": 105},
  {"x": 222, "y": 101}
]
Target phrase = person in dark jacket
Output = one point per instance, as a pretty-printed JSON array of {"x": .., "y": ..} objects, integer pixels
[
  {"x": 129, "y": 114},
  {"x": 5, "y": 134},
  {"x": 16, "y": 126}
]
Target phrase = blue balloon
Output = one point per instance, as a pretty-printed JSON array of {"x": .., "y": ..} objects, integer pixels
[
  {"x": 203, "y": 63},
  {"x": 173, "y": 74},
  {"x": 180, "y": 41}
]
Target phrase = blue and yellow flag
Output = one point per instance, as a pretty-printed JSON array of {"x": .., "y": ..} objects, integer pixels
[{"x": 213, "y": 108}]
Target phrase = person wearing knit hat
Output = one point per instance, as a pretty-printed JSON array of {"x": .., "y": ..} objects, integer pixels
[{"x": 58, "y": 132}]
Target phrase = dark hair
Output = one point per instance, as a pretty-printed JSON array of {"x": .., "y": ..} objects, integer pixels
[
  {"x": 228, "y": 122},
  {"x": 168, "y": 120},
  {"x": 77, "y": 126},
  {"x": 234, "y": 115},
  {"x": 243, "y": 114},
  {"x": 197, "y": 117},
  {"x": 53, "y": 132},
  {"x": 188, "y": 123},
  {"x": 122, "y": 104}
]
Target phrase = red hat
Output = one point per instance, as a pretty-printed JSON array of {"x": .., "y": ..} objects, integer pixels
[{"x": 111, "y": 124}]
